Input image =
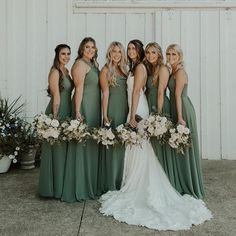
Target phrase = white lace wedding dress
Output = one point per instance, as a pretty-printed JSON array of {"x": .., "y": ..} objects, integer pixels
[{"x": 146, "y": 197}]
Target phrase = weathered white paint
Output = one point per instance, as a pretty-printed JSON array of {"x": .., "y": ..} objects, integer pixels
[{"x": 30, "y": 30}]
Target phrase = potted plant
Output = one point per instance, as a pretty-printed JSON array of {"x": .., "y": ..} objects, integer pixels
[
  {"x": 29, "y": 145},
  {"x": 10, "y": 132}
]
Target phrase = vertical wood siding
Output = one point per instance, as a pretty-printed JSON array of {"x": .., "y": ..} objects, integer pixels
[{"x": 30, "y": 30}]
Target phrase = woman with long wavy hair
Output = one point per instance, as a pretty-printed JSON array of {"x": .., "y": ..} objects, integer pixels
[
  {"x": 80, "y": 182},
  {"x": 53, "y": 157},
  {"x": 113, "y": 78}
]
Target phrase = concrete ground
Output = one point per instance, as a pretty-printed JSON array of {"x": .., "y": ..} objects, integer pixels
[{"x": 23, "y": 212}]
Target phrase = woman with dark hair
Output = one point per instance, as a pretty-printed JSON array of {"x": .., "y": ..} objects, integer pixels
[
  {"x": 158, "y": 76},
  {"x": 146, "y": 196},
  {"x": 80, "y": 182},
  {"x": 135, "y": 54},
  {"x": 53, "y": 157},
  {"x": 183, "y": 112},
  {"x": 113, "y": 81}
]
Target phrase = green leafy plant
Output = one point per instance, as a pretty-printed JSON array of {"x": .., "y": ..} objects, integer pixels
[{"x": 10, "y": 128}]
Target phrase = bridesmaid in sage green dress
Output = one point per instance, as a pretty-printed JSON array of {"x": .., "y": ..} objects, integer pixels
[
  {"x": 113, "y": 78},
  {"x": 182, "y": 112},
  {"x": 53, "y": 157},
  {"x": 80, "y": 182},
  {"x": 157, "y": 81}
]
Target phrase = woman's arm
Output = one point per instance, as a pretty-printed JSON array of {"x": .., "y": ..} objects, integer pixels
[
  {"x": 140, "y": 76},
  {"x": 78, "y": 73},
  {"x": 105, "y": 93},
  {"x": 163, "y": 81},
  {"x": 53, "y": 81},
  {"x": 180, "y": 78}
]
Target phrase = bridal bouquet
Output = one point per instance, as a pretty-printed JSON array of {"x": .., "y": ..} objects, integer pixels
[
  {"x": 180, "y": 138},
  {"x": 104, "y": 135},
  {"x": 47, "y": 128},
  {"x": 74, "y": 130},
  {"x": 129, "y": 136},
  {"x": 158, "y": 126}
]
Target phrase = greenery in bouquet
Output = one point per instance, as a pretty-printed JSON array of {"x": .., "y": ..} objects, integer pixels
[
  {"x": 180, "y": 138},
  {"x": 74, "y": 130},
  {"x": 10, "y": 128},
  {"x": 47, "y": 128}
]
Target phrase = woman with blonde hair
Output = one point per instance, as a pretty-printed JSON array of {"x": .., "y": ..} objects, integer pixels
[
  {"x": 158, "y": 75},
  {"x": 113, "y": 78},
  {"x": 182, "y": 112}
]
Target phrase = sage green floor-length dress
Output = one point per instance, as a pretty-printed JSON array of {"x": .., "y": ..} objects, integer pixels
[
  {"x": 81, "y": 172},
  {"x": 189, "y": 164},
  {"x": 53, "y": 157},
  {"x": 165, "y": 154},
  {"x": 111, "y": 161}
]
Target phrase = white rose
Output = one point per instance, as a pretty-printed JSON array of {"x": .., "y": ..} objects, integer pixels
[
  {"x": 48, "y": 121},
  {"x": 54, "y": 134},
  {"x": 151, "y": 119},
  {"x": 186, "y": 130},
  {"x": 180, "y": 129},
  {"x": 172, "y": 131},
  {"x": 120, "y": 127},
  {"x": 110, "y": 135},
  {"x": 55, "y": 123},
  {"x": 150, "y": 130},
  {"x": 70, "y": 128},
  {"x": 133, "y": 135}
]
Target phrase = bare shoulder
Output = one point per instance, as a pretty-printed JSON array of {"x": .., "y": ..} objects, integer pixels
[
  {"x": 181, "y": 73},
  {"x": 181, "y": 76},
  {"x": 104, "y": 69},
  {"x": 80, "y": 65},
  {"x": 164, "y": 70},
  {"x": 53, "y": 74},
  {"x": 140, "y": 66},
  {"x": 140, "y": 69}
]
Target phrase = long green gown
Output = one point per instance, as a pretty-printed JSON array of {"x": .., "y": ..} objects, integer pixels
[
  {"x": 165, "y": 154},
  {"x": 111, "y": 160},
  {"x": 189, "y": 164},
  {"x": 53, "y": 158},
  {"x": 81, "y": 172}
]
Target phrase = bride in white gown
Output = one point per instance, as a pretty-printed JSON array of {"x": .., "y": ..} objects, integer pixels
[{"x": 146, "y": 196}]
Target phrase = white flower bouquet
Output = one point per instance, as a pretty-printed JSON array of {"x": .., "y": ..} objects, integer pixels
[
  {"x": 158, "y": 126},
  {"x": 130, "y": 137},
  {"x": 74, "y": 130},
  {"x": 180, "y": 138},
  {"x": 105, "y": 136},
  {"x": 47, "y": 128}
]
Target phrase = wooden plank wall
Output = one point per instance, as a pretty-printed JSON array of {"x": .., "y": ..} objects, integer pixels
[{"x": 30, "y": 30}]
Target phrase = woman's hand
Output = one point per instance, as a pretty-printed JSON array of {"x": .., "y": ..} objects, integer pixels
[
  {"x": 133, "y": 122},
  {"x": 106, "y": 121},
  {"x": 78, "y": 116},
  {"x": 182, "y": 122}
]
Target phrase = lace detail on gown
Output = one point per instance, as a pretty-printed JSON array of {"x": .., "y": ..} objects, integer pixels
[{"x": 146, "y": 197}]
